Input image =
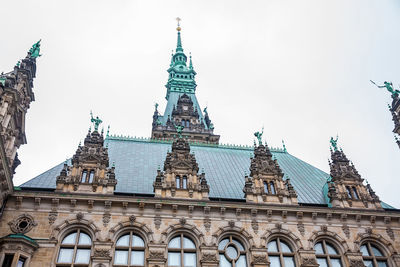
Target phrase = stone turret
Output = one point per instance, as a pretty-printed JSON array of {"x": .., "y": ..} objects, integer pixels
[
  {"x": 346, "y": 188},
  {"x": 89, "y": 171},
  {"x": 16, "y": 94},
  {"x": 265, "y": 183},
  {"x": 181, "y": 178}
]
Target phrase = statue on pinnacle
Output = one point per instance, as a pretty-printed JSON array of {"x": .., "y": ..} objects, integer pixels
[
  {"x": 259, "y": 136},
  {"x": 179, "y": 129},
  {"x": 96, "y": 121},
  {"x": 334, "y": 143},
  {"x": 34, "y": 52},
  {"x": 389, "y": 86}
]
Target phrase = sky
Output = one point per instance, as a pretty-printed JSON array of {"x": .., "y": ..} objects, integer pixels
[{"x": 301, "y": 69}]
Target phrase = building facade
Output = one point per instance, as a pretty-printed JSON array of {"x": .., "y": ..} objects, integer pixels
[{"x": 180, "y": 198}]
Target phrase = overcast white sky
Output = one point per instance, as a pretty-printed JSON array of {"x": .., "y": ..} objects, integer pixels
[{"x": 300, "y": 68}]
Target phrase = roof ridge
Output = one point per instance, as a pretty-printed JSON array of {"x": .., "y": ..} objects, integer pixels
[{"x": 164, "y": 141}]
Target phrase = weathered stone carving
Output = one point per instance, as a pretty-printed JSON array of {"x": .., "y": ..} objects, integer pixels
[
  {"x": 22, "y": 224},
  {"x": 209, "y": 258},
  {"x": 356, "y": 263},
  {"x": 157, "y": 255},
  {"x": 265, "y": 183},
  {"x": 260, "y": 259},
  {"x": 102, "y": 253},
  {"x": 180, "y": 177},
  {"x": 52, "y": 217}
]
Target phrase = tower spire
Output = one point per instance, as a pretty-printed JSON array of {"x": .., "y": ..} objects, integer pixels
[{"x": 179, "y": 43}]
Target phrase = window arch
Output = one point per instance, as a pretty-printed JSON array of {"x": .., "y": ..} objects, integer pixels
[
  {"x": 184, "y": 182},
  {"x": 272, "y": 185},
  {"x": 75, "y": 249},
  {"x": 84, "y": 175},
  {"x": 91, "y": 176},
  {"x": 129, "y": 250},
  {"x": 182, "y": 252},
  {"x": 327, "y": 255},
  {"x": 373, "y": 256},
  {"x": 231, "y": 253},
  {"x": 280, "y": 254},
  {"x": 178, "y": 181}
]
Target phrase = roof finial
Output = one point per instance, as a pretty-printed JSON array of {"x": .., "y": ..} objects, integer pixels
[
  {"x": 284, "y": 146},
  {"x": 334, "y": 143},
  {"x": 190, "y": 63},
  {"x": 178, "y": 19},
  {"x": 179, "y": 44},
  {"x": 259, "y": 136},
  {"x": 96, "y": 121},
  {"x": 34, "y": 52}
]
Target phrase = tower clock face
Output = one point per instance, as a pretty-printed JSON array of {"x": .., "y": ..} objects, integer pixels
[{"x": 185, "y": 107}]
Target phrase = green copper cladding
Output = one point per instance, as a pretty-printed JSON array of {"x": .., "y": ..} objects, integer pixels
[
  {"x": 259, "y": 136},
  {"x": 34, "y": 52},
  {"x": 334, "y": 143},
  {"x": 389, "y": 86},
  {"x": 179, "y": 129},
  {"x": 96, "y": 121},
  {"x": 181, "y": 77},
  {"x": 3, "y": 80}
]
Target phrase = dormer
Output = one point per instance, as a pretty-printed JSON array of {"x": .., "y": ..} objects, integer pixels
[
  {"x": 346, "y": 188},
  {"x": 265, "y": 183},
  {"x": 89, "y": 172},
  {"x": 180, "y": 177}
]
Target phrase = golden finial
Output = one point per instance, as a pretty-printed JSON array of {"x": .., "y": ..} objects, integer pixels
[{"x": 178, "y": 20}]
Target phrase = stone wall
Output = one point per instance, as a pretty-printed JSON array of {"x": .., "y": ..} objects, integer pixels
[{"x": 205, "y": 222}]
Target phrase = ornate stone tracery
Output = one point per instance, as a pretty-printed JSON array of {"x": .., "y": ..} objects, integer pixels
[
  {"x": 266, "y": 184},
  {"x": 22, "y": 224},
  {"x": 180, "y": 177},
  {"x": 88, "y": 172}
]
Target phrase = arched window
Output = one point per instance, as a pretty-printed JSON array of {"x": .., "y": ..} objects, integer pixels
[
  {"x": 84, "y": 175},
  {"x": 348, "y": 192},
  {"x": 75, "y": 249},
  {"x": 355, "y": 193},
  {"x": 272, "y": 185},
  {"x": 266, "y": 191},
  {"x": 231, "y": 253},
  {"x": 327, "y": 255},
  {"x": 184, "y": 182},
  {"x": 373, "y": 256},
  {"x": 280, "y": 254},
  {"x": 178, "y": 181},
  {"x": 129, "y": 250},
  {"x": 182, "y": 252},
  {"x": 91, "y": 176}
]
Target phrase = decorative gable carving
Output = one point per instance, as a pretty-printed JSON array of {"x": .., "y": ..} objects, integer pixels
[
  {"x": 265, "y": 183},
  {"x": 89, "y": 172},
  {"x": 346, "y": 188},
  {"x": 180, "y": 177}
]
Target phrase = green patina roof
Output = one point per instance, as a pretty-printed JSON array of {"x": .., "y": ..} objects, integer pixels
[{"x": 137, "y": 159}]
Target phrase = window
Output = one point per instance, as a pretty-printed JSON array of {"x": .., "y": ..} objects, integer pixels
[
  {"x": 372, "y": 256},
  {"x": 272, "y": 188},
  {"x": 178, "y": 181},
  {"x": 280, "y": 254},
  {"x": 84, "y": 175},
  {"x": 75, "y": 249},
  {"x": 348, "y": 192},
  {"x": 266, "y": 191},
  {"x": 21, "y": 262},
  {"x": 129, "y": 250},
  {"x": 182, "y": 252},
  {"x": 355, "y": 193},
  {"x": 184, "y": 182},
  {"x": 91, "y": 176},
  {"x": 231, "y": 253},
  {"x": 327, "y": 255},
  {"x": 8, "y": 259}
]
